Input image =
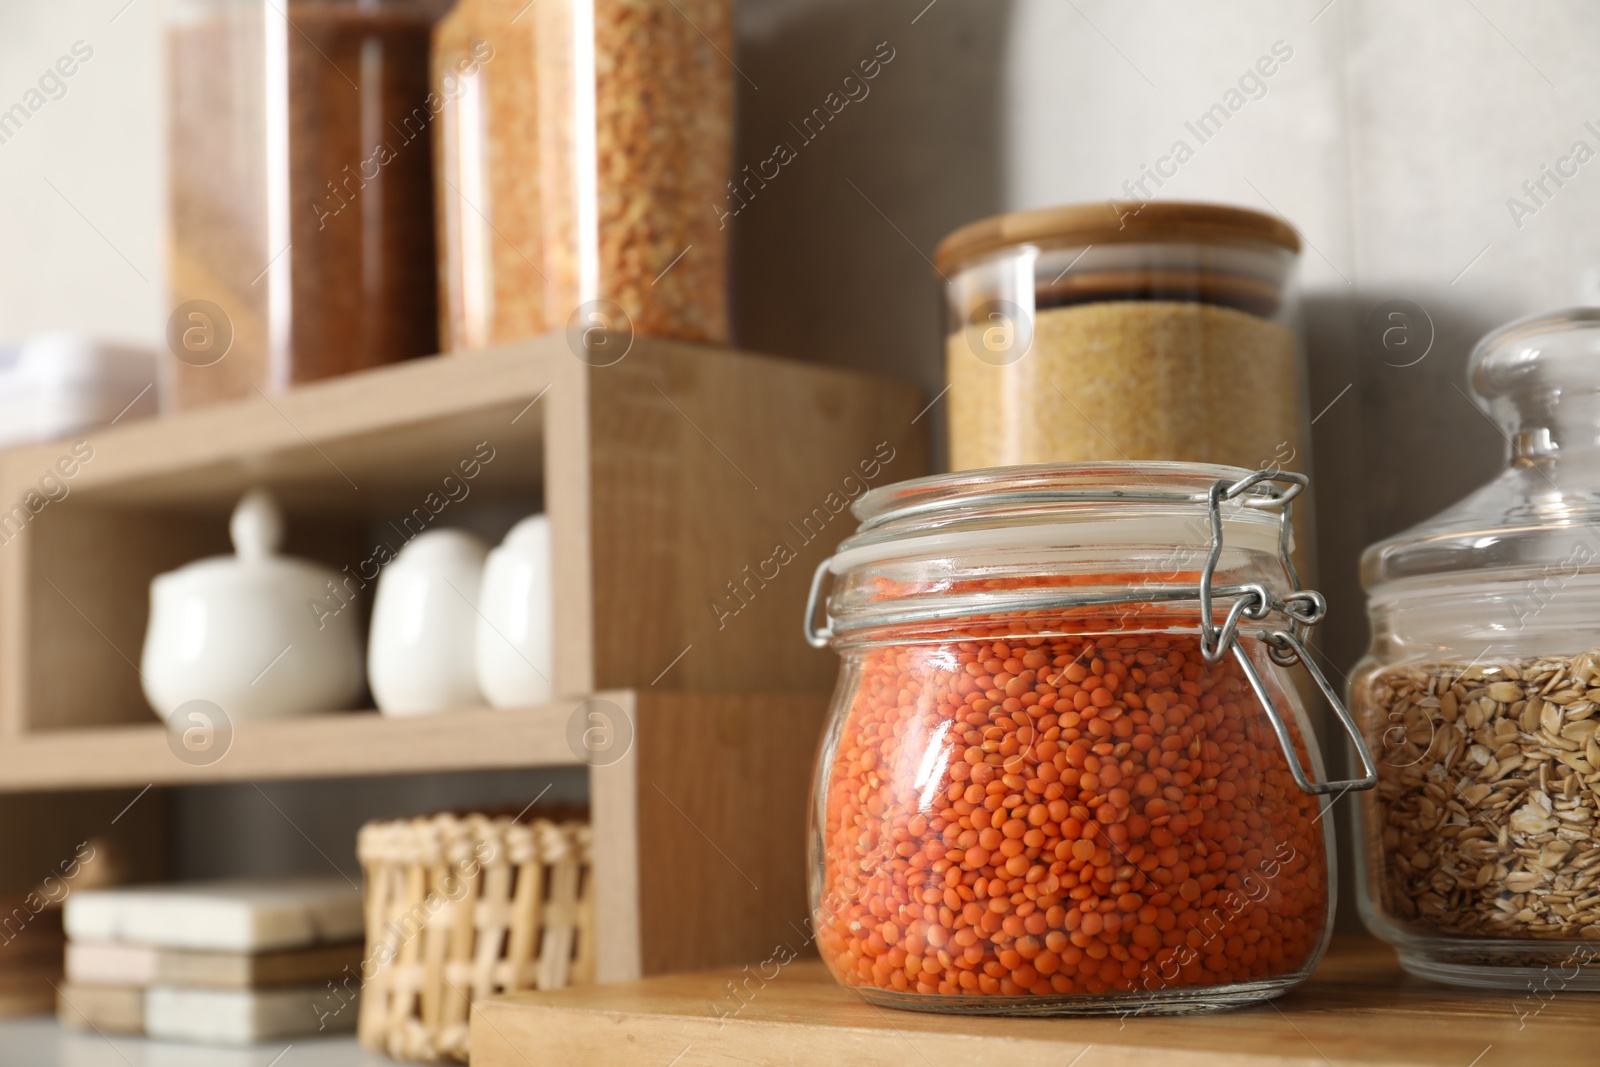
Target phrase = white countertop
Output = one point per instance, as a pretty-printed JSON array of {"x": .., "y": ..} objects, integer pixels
[{"x": 39, "y": 1042}]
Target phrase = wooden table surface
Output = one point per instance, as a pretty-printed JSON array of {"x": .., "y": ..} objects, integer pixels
[{"x": 1359, "y": 1008}]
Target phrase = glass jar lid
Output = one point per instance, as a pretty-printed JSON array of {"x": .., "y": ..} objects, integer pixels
[
  {"x": 1050, "y": 537},
  {"x": 1153, "y": 503},
  {"x": 1538, "y": 378},
  {"x": 1202, "y": 547}
]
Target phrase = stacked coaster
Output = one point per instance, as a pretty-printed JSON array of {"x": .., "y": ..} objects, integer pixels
[{"x": 226, "y": 963}]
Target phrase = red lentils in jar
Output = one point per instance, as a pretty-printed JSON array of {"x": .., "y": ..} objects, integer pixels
[{"x": 1055, "y": 806}]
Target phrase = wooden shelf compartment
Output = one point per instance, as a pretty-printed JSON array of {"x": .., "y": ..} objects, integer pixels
[
  {"x": 1358, "y": 1008},
  {"x": 669, "y": 478},
  {"x": 698, "y": 826}
]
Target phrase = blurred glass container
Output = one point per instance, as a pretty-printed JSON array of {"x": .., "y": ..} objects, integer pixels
[
  {"x": 1481, "y": 691},
  {"x": 491, "y": 285},
  {"x": 59, "y": 383},
  {"x": 581, "y": 164},
  {"x": 300, "y": 179}
]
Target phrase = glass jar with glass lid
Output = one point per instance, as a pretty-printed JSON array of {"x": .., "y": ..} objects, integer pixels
[{"x": 1481, "y": 691}]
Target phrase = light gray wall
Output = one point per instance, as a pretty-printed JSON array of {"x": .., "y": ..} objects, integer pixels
[
  {"x": 1391, "y": 138},
  {"x": 82, "y": 181}
]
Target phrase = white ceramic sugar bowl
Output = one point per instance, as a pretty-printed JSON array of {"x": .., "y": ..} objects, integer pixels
[{"x": 240, "y": 631}]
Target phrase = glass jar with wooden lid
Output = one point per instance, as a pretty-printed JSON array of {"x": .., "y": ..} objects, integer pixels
[{"x": 1124, "y": 332}]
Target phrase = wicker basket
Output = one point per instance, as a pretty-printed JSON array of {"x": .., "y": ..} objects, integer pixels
[{"x": 463, "y": 907}]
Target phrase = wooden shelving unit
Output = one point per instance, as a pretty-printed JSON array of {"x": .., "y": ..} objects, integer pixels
[{"x": 668, "y": 477}]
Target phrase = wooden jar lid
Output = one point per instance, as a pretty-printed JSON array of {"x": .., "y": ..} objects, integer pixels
[{"x": 1119, "y": 222}]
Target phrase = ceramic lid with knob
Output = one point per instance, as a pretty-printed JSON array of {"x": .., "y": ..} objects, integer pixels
[
  {"x": 1539, "y": 379},
  {"x": 256, "y": 529}
]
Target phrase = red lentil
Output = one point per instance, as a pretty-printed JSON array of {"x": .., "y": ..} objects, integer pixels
[{"x": 1105, "y": 812}]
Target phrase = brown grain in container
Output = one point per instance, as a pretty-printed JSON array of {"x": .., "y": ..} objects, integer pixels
[{"x": 301, "y": 189}]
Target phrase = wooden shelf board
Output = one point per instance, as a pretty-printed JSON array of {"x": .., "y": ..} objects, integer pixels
[
  {"x": 1359, "y": 1008},
  {"x": 327, "y": 446},
  {"x": 322, "y": 746}
]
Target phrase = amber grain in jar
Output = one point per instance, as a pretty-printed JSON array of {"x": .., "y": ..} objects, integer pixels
[
  {"x": 581, "y": 166},
  {"x": 1040, "y": 793},
  {"x": 486, "y": 155}
]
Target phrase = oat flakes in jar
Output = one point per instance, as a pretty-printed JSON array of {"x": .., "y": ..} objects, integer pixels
[
  {"x": 1480, "y": 694},
  {"x": 1067, "y": 770}
]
